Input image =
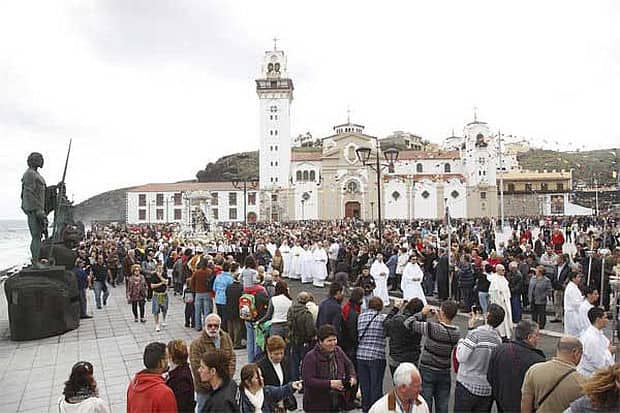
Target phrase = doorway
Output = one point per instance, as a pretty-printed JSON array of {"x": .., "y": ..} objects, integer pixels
[{"x": 352, "y": 209}]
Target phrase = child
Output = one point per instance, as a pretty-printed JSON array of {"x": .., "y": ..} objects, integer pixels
[{"x": 188, "y": 298}]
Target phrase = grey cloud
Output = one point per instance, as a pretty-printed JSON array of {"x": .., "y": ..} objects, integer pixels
[{"x": 157, "y": 32}]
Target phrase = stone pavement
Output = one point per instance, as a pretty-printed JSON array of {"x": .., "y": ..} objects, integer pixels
[{"x": 32, "y": 373}]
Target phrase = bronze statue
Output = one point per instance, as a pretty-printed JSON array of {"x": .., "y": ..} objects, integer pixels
[{"x": 38, "y": 200}]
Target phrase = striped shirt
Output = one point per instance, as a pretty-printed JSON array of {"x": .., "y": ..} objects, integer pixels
[
  {"x": 372, "y": 344},
  {"x": 440, "y": 339},
  {"x": 474, "y": 353}
]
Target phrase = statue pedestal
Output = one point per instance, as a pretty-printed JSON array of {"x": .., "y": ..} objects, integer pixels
[{"x": 42, "y": 302}]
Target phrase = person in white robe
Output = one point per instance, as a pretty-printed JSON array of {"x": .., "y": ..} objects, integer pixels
[
  {"x": 597, "y": 353},
  {"x": 307, "y": 265},
  {"x": 320, "y": 266},
  {"x": 584, "y": 307},
  {"x": 411, "y": 283},
  {"x": 499, "y": 293},
  {"x": 296, "y": 254},
  {"x": 572, "y": 301},
  {"x": 271, "y": 247},
  {"x": 379, "y": 271},
  {"x": 285, "y": 250}
]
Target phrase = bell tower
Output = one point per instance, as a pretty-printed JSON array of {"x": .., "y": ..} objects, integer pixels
[{"x": 275, "y": 94}]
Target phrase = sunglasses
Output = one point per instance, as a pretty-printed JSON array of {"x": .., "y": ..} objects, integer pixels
[{"x": 213, "y": 326}]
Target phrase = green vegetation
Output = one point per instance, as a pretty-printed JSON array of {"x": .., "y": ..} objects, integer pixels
[{"x": 602, "y": 164}]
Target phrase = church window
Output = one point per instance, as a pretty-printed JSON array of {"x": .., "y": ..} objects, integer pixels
[
  {"x": 276, "y": 179},
  {"x": 276, "y": 148},
  {"x": 455, "y": 194},
  {"x": 298, "y": 176},
  {"x": 352, "y": 187},
  {"x": 274, "y": 198},
  {"x": 273, "y": 108},
  {"x": 274, "y": 83},
  {"x": 232, "y": 198},
  {"x": 159, "y": 199},
  {"x": 306, "y": 177},
  {"x": 560, "y": 186},
  {"x": 276, "y": 164},
  {"x": 528, "y": 187},
  {"x": 270, "y": 132},
  {"x": 275, "y": 132},
  {"x": 544, "y": 186},
  {"x": 425, "y": 194},
  {"x": 479, "y": 173},
  {"x": 232, "y": 213},
  {"x": 351, "y": 153},
  {"x": 312, "y": 175},
  {"x": 419, "y": 168},
  {"x": 483, "y": 195},
  {"x": 395, "y": 195},
  {"x": 511, "y": 187},
  {"x": 447, "y": 168}
]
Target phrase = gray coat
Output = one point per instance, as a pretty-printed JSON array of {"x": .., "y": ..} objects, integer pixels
[{"x": 540, "y": 289}]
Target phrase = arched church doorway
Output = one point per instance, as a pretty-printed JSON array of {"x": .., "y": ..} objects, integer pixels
[{"x": 352, "y": 209}]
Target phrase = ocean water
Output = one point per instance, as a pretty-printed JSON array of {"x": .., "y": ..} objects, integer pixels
[{"x": 14, "y": 243}]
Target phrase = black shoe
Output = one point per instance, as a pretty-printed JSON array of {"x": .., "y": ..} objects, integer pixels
[
  {"x": 105, "y": 303},
  {"x": 186, "y": 325},
  {"x": 142, "y": 320},
  {"x": 555, "y": 320},
  {"x": 86, "y": 316},
  {"x": 98, "y": 307}
]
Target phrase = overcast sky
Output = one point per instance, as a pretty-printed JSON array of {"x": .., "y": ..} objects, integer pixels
[{"x": 153, "y": 90}]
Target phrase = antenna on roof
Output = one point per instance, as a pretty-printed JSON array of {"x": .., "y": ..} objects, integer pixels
[{"x": 348, "y": 114}]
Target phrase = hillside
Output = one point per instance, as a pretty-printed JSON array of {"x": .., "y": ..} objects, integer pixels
[
  {"x": 244, "y": 164},
  {"x": 107, "y": 206},
  {"x": 586, "y": 165}
]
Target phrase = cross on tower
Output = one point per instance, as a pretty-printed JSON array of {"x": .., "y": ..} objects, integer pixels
[
  {"x": 275, "y": 43},
  {"x": 475, "y": 114},
  {"x": 348, "y": 114}
]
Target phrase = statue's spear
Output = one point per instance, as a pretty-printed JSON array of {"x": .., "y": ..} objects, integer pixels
[{"x": 60, "y": 196}]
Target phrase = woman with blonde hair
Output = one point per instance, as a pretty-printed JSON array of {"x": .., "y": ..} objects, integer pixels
[
  {"x": 601, "y": 392},
  {"x": 136, "y": 292}
]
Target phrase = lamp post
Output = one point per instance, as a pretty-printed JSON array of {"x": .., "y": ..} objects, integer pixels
[
  {"x": 372, "y": 211},
  {"x": 243, "y": 183},
  {"x": 391, "y": 156}
]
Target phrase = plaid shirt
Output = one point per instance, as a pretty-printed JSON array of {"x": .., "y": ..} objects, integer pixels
[{"x": 372, "y": 345}]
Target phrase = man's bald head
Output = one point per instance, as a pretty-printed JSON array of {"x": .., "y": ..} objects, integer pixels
[{"x": 570, "y": 349}]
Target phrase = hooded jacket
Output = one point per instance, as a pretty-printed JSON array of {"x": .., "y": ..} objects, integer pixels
[
  {"x": 301, "y": 328},
  {"x": 148, "y": 392}
]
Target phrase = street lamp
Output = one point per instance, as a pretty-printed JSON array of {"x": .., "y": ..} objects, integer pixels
[{"x": 391, "y": 156}]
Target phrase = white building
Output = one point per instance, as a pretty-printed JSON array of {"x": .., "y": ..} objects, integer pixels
[{"x": 190, "y": 202}]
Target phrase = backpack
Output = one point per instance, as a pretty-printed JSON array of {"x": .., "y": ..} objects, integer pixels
[{"x": 247, "y": 307}]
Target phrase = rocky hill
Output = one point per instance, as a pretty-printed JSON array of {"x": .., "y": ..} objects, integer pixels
[
  {"x": 108, "y": 206},
  {"x": 244, "y": 164},
  {"x": 602, "y": 164}
]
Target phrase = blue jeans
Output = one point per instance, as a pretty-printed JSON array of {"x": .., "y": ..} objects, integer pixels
[
  {"x": 436, "y": 386},
  {"x": 515, "y": 306},
  {"x": 370, "y": 377},
  {"x": 465, "y": 401},
  {"x": 201, "y": 399},
  {"x": 250, "y": 341},
  {"x": 203, "y": 306},
  {"x": 483, "y": 299},
  {"x": 298, "y": 352},
  {"x": 100, "y": 287}
]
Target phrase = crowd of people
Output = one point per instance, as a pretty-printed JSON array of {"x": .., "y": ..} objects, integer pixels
[{"x": 335, "y": 351}]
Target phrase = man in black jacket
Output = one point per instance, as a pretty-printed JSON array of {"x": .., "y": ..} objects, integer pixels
[
  {"x": 330, "y": 311},
  {"x": 509, "y": 363},
  {"x": 404, "y": 343}
]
